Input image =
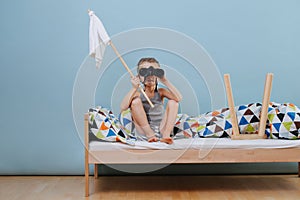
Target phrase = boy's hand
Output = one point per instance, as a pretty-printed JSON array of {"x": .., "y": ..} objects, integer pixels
[
  {"x": 135, "y": 81},
  {"x": 163, "y": 79}
]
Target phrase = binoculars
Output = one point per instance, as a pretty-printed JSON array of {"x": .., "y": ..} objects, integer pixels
[{"x": 151, "y": 71}]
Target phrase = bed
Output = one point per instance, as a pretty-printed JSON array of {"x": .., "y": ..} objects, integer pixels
[
  {"x": 224, "y": 150},
  {"x": 241, "y": 148}
]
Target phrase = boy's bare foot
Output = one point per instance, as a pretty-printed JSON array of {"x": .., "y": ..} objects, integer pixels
[
  {"x": 152, "y": 138},
  {"x": 167, "y": 140}
]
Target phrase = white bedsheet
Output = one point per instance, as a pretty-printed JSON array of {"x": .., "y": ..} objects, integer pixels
[{"x": 199, "y": 143}]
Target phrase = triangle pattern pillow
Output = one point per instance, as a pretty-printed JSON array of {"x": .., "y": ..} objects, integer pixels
[
  {"x": 105, "y": 126},
  {"x": 284, "y": 121}
]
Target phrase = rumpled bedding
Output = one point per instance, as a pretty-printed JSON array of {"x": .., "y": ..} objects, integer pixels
[{"x": 283, "y": 123}]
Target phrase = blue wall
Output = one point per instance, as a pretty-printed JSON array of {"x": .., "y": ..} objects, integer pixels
[{"x": 43, "y": 43}]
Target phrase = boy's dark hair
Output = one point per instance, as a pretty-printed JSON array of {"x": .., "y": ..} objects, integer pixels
[{"x": 150, "y": 60}]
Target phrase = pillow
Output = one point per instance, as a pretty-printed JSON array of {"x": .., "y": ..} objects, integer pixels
[
  {"x": 215, "y": 124},
  {"x": 284, "y": 121},
  {"x": 125, "y": 120},
  {"x": 248, "y": 117},
  {"x": 105, "y": 126},
  {"x": 183, "y": 127}
]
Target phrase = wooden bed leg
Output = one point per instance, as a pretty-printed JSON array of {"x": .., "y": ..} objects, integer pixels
[
  {"x": 235, "y": 128},
  {"x": 298, "y": 169},
  {"x": 265, "y": 105},
  {"x": 86, "y": 150},
  {"x": 86, "y": 176},
  {"x": 96, "y": 171}
]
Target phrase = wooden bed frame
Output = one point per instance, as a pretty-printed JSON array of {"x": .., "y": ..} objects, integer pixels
[{"x": 134, "y": 156}]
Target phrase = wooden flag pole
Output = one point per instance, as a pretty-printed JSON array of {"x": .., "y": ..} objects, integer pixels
[{"x": 129, "y": 71}]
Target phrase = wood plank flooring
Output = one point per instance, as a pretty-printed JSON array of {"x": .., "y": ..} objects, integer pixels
[{"x": 151, "y": 187}]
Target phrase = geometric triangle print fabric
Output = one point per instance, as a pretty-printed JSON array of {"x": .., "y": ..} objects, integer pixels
[
  {"x": 126, "y": 122},
  {"x": 292, "y": 115},
  {"x": 105, "y": 126},
  {"x": 283, "y": 122}
]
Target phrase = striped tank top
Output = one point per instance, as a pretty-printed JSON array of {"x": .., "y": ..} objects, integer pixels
[{"x": 155, "y": 114}]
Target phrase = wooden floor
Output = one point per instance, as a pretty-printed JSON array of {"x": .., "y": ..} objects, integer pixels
[{"x": 151, "y": 187}]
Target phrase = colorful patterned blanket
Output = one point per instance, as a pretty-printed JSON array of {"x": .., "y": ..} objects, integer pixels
[{"x": 283, "y": 123}]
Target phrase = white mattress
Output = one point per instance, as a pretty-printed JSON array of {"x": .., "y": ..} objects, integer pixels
[{"x": 199, "y": 143}]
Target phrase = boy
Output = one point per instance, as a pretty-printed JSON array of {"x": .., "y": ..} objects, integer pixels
[{"x": 152, "y": 122}]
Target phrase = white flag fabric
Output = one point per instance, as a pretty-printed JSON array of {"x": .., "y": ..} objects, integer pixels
[{"x": 98, "y": 38}]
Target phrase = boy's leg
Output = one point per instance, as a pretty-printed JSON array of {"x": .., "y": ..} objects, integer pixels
[
  {"x": 140, "y": 119},
  {"x": 168, "y": 121}
]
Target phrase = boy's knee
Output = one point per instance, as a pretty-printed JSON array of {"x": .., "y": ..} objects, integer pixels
[
  {"x": 173, "y": 104},
  {"x": 136, "y": 102}
]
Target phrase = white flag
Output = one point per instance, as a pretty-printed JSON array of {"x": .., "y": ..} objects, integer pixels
[{"x": 98, "y": 38}]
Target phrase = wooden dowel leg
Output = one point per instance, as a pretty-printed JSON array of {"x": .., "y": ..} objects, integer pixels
[
  {"x": 235, "y": 128},
  {"x": 265, "y": 105}
]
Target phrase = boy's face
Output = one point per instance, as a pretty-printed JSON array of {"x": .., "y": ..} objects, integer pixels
[{"x": 150, "y": 80}]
